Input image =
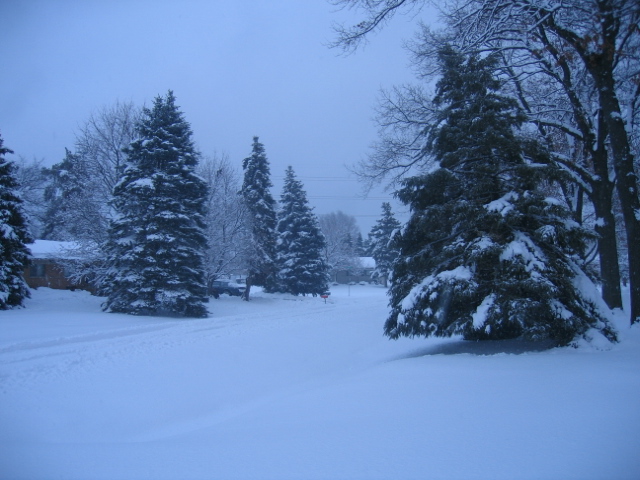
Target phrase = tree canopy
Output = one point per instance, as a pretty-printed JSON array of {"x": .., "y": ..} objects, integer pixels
[
  {"x": 14, "y": 235},
  {"x": 261, "y": 208},
  {"x": 156, "y": 243},
  {"x": 486, "y": 254},
  {"x": 380, "y": 241},
  {"x": 300, "y": 248}
]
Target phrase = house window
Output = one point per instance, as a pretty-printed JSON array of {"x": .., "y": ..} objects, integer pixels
[{"x": 37, "y": 270}]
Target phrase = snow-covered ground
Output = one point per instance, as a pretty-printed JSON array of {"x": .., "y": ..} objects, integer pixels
[{"x": 293, "y": 388}]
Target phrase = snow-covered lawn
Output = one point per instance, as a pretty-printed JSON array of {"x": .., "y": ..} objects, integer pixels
[{"x": 293, "y": 388}]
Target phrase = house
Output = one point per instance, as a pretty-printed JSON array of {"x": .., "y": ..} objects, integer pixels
[
  {"x": 48, "y": 268},
  {"x": 358, "y": 273}
]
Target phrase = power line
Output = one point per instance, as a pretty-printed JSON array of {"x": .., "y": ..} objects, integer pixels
[
  {"x": 346, "y": 197},
  {"x": 321, "y": 178}
]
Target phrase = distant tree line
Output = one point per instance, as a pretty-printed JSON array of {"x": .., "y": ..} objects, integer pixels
[
  {"x": 519, "y": 169},
  {"x": 156, "y": 223}
]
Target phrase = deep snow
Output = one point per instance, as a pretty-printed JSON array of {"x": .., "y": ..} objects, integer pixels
[{"x": 293, "y": 388}]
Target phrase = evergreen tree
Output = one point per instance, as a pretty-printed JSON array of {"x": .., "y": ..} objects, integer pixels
[
  {"x": 156, "y": 244},
  {"x": 361, "y": 247},
  {"x": 226, "y": 218},
  {"x": 380, "y": 243},
  {"x": 73, "y": 212},
  {"x": 62, "y": 183},
  {"x": 338, "y": 229},
  {"x": 14, "y": 235},
  {"x": 262, "y": 219},
  {"x": 485, "y": 254},
  {"x": 32, "y": 182},
  {"x": 300, "y": 247},
  {"x": 366, "y": 248}
]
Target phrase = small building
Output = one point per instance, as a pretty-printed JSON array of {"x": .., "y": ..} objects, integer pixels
[
  {"x": 358, "y": 273},
  {"x": 48, "y": 268}
]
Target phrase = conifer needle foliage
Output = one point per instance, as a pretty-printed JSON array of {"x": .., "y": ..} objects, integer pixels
[
  {"x": 485, "y": 253},
  {"x": 302, "y": 269},
  {"x": 14, "y": 235},
  {"x": 157, "y": 242}
]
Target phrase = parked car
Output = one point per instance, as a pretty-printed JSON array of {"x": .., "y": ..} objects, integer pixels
[{"x": 218, "y": 287}]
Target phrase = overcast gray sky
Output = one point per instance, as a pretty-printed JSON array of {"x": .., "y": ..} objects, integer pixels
[{"x": 237, "y": 68}]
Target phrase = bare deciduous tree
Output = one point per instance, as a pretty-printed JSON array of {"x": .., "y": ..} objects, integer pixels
[
  {"x": 80, "y": 187},
  {"x": 226, "y": 219},
  {"x": 341, "y": 232},
  {"x": 32, "y": 181},
  {"x": 574, "y": 67},
  {"x": 589, "y": 52},
  {"x": 83, "y": 182},
  {"x": 102, "y": 139},
  {"x": 376, "y": 14}
]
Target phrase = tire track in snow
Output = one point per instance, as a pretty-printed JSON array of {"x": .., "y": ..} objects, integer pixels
[{"x": 48, "y": 360}]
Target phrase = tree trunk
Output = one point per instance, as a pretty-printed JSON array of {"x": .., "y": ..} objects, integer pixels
[
  {"x": 607, "y": 246},
  {"x": 601, "y": 68},
  {"x": 598, "y": 59},
  {"x": 627, "y": 186},
  {"x": 245, "y": 295},
  {"x": 601, "y": 187},
  {"x": 602, "y": 199}
]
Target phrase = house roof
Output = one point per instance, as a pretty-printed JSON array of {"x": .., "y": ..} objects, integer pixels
[
  {"x": 367, "y": 262},
  {"x": 53, "y": 249}
]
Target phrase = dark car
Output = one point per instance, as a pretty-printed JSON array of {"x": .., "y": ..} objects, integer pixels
[{"x": 218, "y": 287}]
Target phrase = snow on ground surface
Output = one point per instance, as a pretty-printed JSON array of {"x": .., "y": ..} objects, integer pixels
[{"x": 293, "y": 388}]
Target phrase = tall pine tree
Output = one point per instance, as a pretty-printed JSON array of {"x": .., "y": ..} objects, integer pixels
[
  {"x": 73, "y": 213},
  {"x": 382, "y": 251},
  {"x": 262, "y": 219},
  {"x": 156, "y": 244},
  {"x": 300, "y": 247},
  {"x": 485, "y": 253},
  {"x": 14, "y": 235}
]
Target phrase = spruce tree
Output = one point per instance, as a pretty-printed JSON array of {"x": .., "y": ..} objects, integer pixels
[
  {"x": 156, "y": 244},
  {"x": 300, "y": 248},
  {"x": 485, "y": 253},
  {"x": 262, "y": 219},
  {"x": 361, "y": 246},
  {"x": 73, "y": 212},
  {"x": 382, "y": 251},
  {"x": 14, "y": 235}
]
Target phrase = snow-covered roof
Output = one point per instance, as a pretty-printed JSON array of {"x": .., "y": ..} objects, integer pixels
[
  {"x": 53, "y": 249},
  {"x": 367, "y": 262}
]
